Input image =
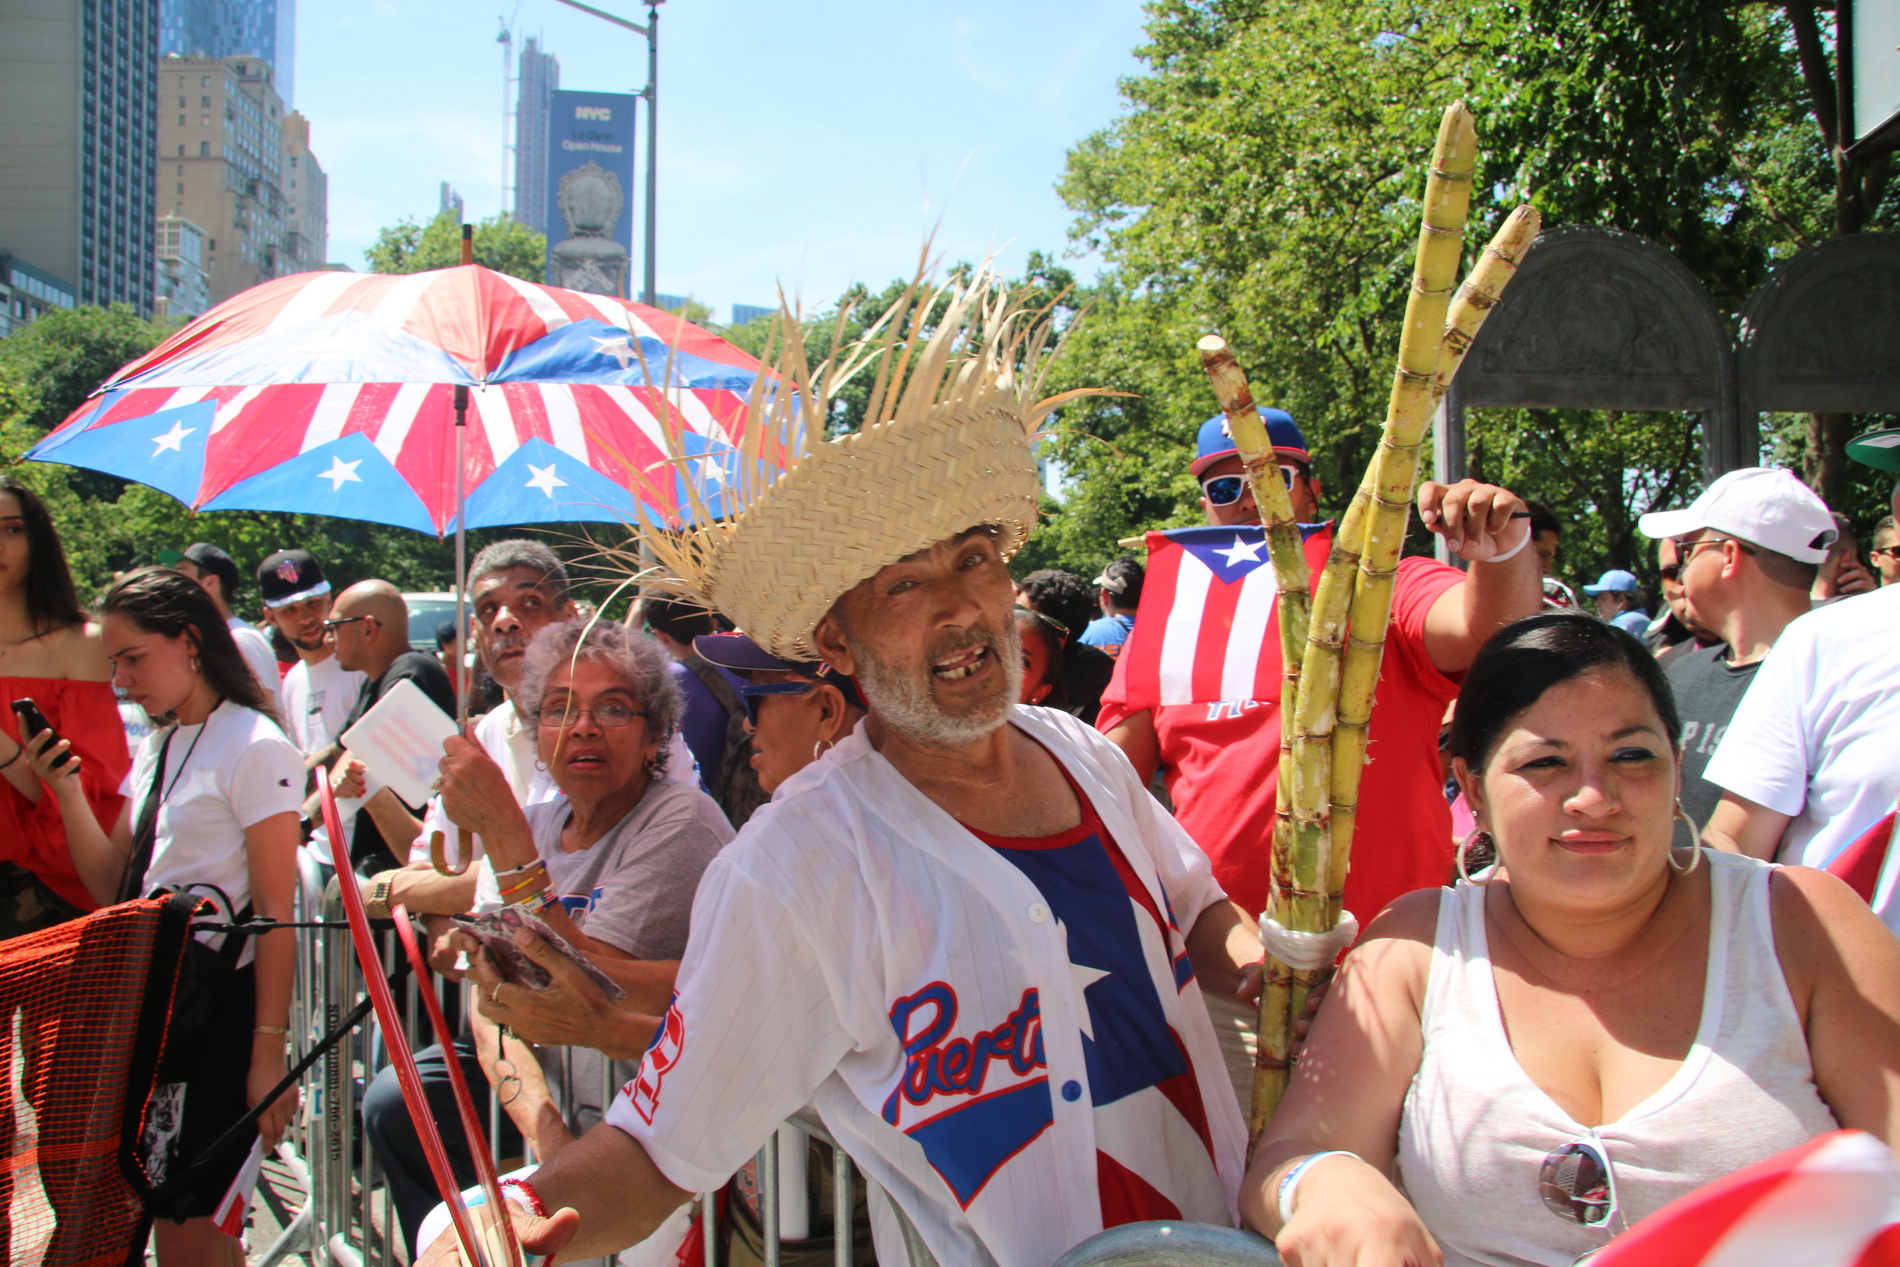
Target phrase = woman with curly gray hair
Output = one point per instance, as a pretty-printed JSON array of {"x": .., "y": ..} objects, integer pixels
[{"x": 612, "y": 865}]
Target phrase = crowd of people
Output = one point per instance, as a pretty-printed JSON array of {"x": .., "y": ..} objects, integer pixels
[{"x": 892, "y": 837}]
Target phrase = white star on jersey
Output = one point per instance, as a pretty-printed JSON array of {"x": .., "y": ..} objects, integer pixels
[
  {"x": 1082, "y": 977},
  {"x": 1241, "y": 552},
  {"x": 545, "y": 479},
  {"x": 172, "y": 439},
  {"x": 711, "y": 471},
  {"x": 341, "y": 473}
]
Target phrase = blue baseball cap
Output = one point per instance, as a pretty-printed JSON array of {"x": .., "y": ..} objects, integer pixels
[
  {"x": 1216, "y": 441},
  {"x": 1614, "y": 581}
]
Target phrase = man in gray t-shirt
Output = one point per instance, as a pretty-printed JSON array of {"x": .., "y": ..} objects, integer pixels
[
  {"x": 1707, "y": 689},
  {"x": 1746, "y": 551}
]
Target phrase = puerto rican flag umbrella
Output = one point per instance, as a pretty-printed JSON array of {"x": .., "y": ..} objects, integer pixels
[
  {"x": 1831, "y": 1202},
  {"x": 333, "y": 393}
]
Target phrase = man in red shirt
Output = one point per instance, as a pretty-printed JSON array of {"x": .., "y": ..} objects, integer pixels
[{"x": 1219, "y": 759}]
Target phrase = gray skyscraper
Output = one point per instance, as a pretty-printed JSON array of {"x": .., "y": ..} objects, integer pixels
[
  {"x": 78, "y": 160},
  {"x": 540, "y": 78},
  {"x": 233, "y": 28}
]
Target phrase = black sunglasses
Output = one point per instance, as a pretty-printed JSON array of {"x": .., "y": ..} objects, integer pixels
[
  {"x": 752, "y": 692},
  {"x": 330, "y": 626},
  {"x": 1225, "y": 490}
]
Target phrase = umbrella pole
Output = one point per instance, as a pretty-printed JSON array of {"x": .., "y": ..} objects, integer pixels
[{"x": 461, "y": 551}]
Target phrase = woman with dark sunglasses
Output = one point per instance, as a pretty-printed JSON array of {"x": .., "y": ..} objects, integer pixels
[{"x": 1598, "y": 1018}]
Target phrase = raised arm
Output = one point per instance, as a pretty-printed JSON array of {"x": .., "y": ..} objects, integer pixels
[
  {"x": 1478, "y": 522},
  {"x": 1346, "y": 1095}
]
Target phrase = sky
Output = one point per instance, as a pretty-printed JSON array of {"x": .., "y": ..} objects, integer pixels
[{"x": 803, "y": 145}]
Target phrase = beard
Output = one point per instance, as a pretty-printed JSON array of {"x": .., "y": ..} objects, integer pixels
[{"x": 903, "y": 697}]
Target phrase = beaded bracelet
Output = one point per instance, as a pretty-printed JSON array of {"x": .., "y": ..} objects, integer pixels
[{"x": 525, "y": 882}]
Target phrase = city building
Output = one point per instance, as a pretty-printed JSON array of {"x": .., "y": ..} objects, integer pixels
[
  {"x": 77, "y": 156},
  {"x": 746, "y": 314},
  {"x": 233, "y": 28},
  {"x": 183, "y": 288},
  {"x": 221, "y": 136},
  {"x": 306, "y": 199},
  {"x": 27, "y": 292},
  {"x": 450, "y": 203},
  {"x": 540, "y": 77}
]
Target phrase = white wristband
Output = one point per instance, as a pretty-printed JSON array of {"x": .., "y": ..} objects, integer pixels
[
  {"x": 1290, "y": 1181},
  {"x": 1514, "y": 551}
]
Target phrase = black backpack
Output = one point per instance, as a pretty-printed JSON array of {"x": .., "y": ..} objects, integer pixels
[{"x": 736, "y": 785}]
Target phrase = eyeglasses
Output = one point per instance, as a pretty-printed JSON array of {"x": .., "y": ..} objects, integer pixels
[
  {"x": 1892, "y": 552},
  {"x": 1670, "y": 571},
  {"x": 752, "y": 692},
  {"x": 1225, "y": 490},
  {"x": 330, "y": 626},
  {"x": 1685, "y": 550},
  {"x": 1575, "y": 1182},
  {"x": 611, "y": 716}
]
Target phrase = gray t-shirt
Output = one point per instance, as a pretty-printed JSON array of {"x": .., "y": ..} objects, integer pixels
[
  {"x": 1707, "y": 690},
  {"x": 633, "y": 888}
]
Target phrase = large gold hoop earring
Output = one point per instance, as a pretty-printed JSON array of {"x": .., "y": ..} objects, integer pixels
[
  {"x": 1464, "y": 847},
  {"x": 1695, "y": 843}
]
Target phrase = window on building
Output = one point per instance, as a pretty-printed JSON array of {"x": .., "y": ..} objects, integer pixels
[
  {"x": 204, "y": 81},
  {"x": 204, "y": 149},
  {"x": 181, "y": 103},
  {"x": 181, "y": 188},
  {"x": 205, "y": 102},
  {"x": 181, "y": 151},
  {"x": 181, "y": 120}
]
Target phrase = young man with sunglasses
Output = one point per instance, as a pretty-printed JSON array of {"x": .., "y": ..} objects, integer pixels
[
  {"x": 1220, "y": 759},
  {"x": 1885, "y": 552},
  {"x": 1747, "y": 551}
]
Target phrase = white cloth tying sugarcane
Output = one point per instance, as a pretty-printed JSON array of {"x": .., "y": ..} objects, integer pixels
[{"x": 857, "y": 948}]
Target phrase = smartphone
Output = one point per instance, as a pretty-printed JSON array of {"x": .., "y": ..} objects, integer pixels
[{"x": 32, "y": 722}]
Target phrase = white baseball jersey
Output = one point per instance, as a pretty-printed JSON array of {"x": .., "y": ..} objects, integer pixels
[{"x": 1006, "y": 1036}]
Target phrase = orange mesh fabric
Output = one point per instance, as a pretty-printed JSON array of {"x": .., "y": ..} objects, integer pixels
[{"x": 82, "y": 1012}]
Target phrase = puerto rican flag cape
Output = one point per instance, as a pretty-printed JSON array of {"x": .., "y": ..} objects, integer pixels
[
  {"x": 1210, "y": 592},
  {"x": 1832, "y": 1202}
]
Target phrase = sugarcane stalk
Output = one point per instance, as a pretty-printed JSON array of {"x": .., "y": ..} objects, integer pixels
[
  {"x": 1293, "y": 600},
  {"x": 1372, "y": 596},
  {"x": 1308, "y": 897}
]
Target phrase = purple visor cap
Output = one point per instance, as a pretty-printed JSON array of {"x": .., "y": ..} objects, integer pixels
[{"x": 739, "y": 653}]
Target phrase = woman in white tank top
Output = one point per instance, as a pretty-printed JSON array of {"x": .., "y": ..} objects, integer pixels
[{"x": 1512, "y": 1071}]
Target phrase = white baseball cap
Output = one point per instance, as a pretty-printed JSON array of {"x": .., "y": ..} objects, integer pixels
[{"x": 1763, "y": 506}]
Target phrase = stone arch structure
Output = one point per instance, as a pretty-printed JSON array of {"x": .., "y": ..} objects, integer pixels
[
  {"x": 1822, "y": 334},
  {"x": 1601, "y": 319}
]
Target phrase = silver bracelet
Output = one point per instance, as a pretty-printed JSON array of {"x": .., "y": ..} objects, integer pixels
[{"x": 1290, "y": 1181}]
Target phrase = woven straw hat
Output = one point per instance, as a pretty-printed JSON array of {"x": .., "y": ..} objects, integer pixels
[{"x": 952, "y": 448}]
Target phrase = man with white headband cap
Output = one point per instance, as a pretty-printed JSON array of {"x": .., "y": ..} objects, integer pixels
[
  {"x": 1746, "y": 552},
  {"x": 1808, "y": 767},
  {"x": 967, "y": 935}
]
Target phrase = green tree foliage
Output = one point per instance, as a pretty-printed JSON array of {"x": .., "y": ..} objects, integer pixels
[
  {"x": 501, "y": 243},
  {"x": 1263, "y": 184}
]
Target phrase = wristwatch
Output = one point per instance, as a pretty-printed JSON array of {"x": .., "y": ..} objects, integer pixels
[{"x": 376, "y": 905}]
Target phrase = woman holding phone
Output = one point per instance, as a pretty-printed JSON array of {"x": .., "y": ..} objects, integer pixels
[
  {"x": 48, "y": 657},
  {"x": 211, "y": 808}
]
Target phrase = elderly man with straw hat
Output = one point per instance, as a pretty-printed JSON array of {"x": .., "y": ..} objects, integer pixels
[{"x": 966, "y": 934}]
